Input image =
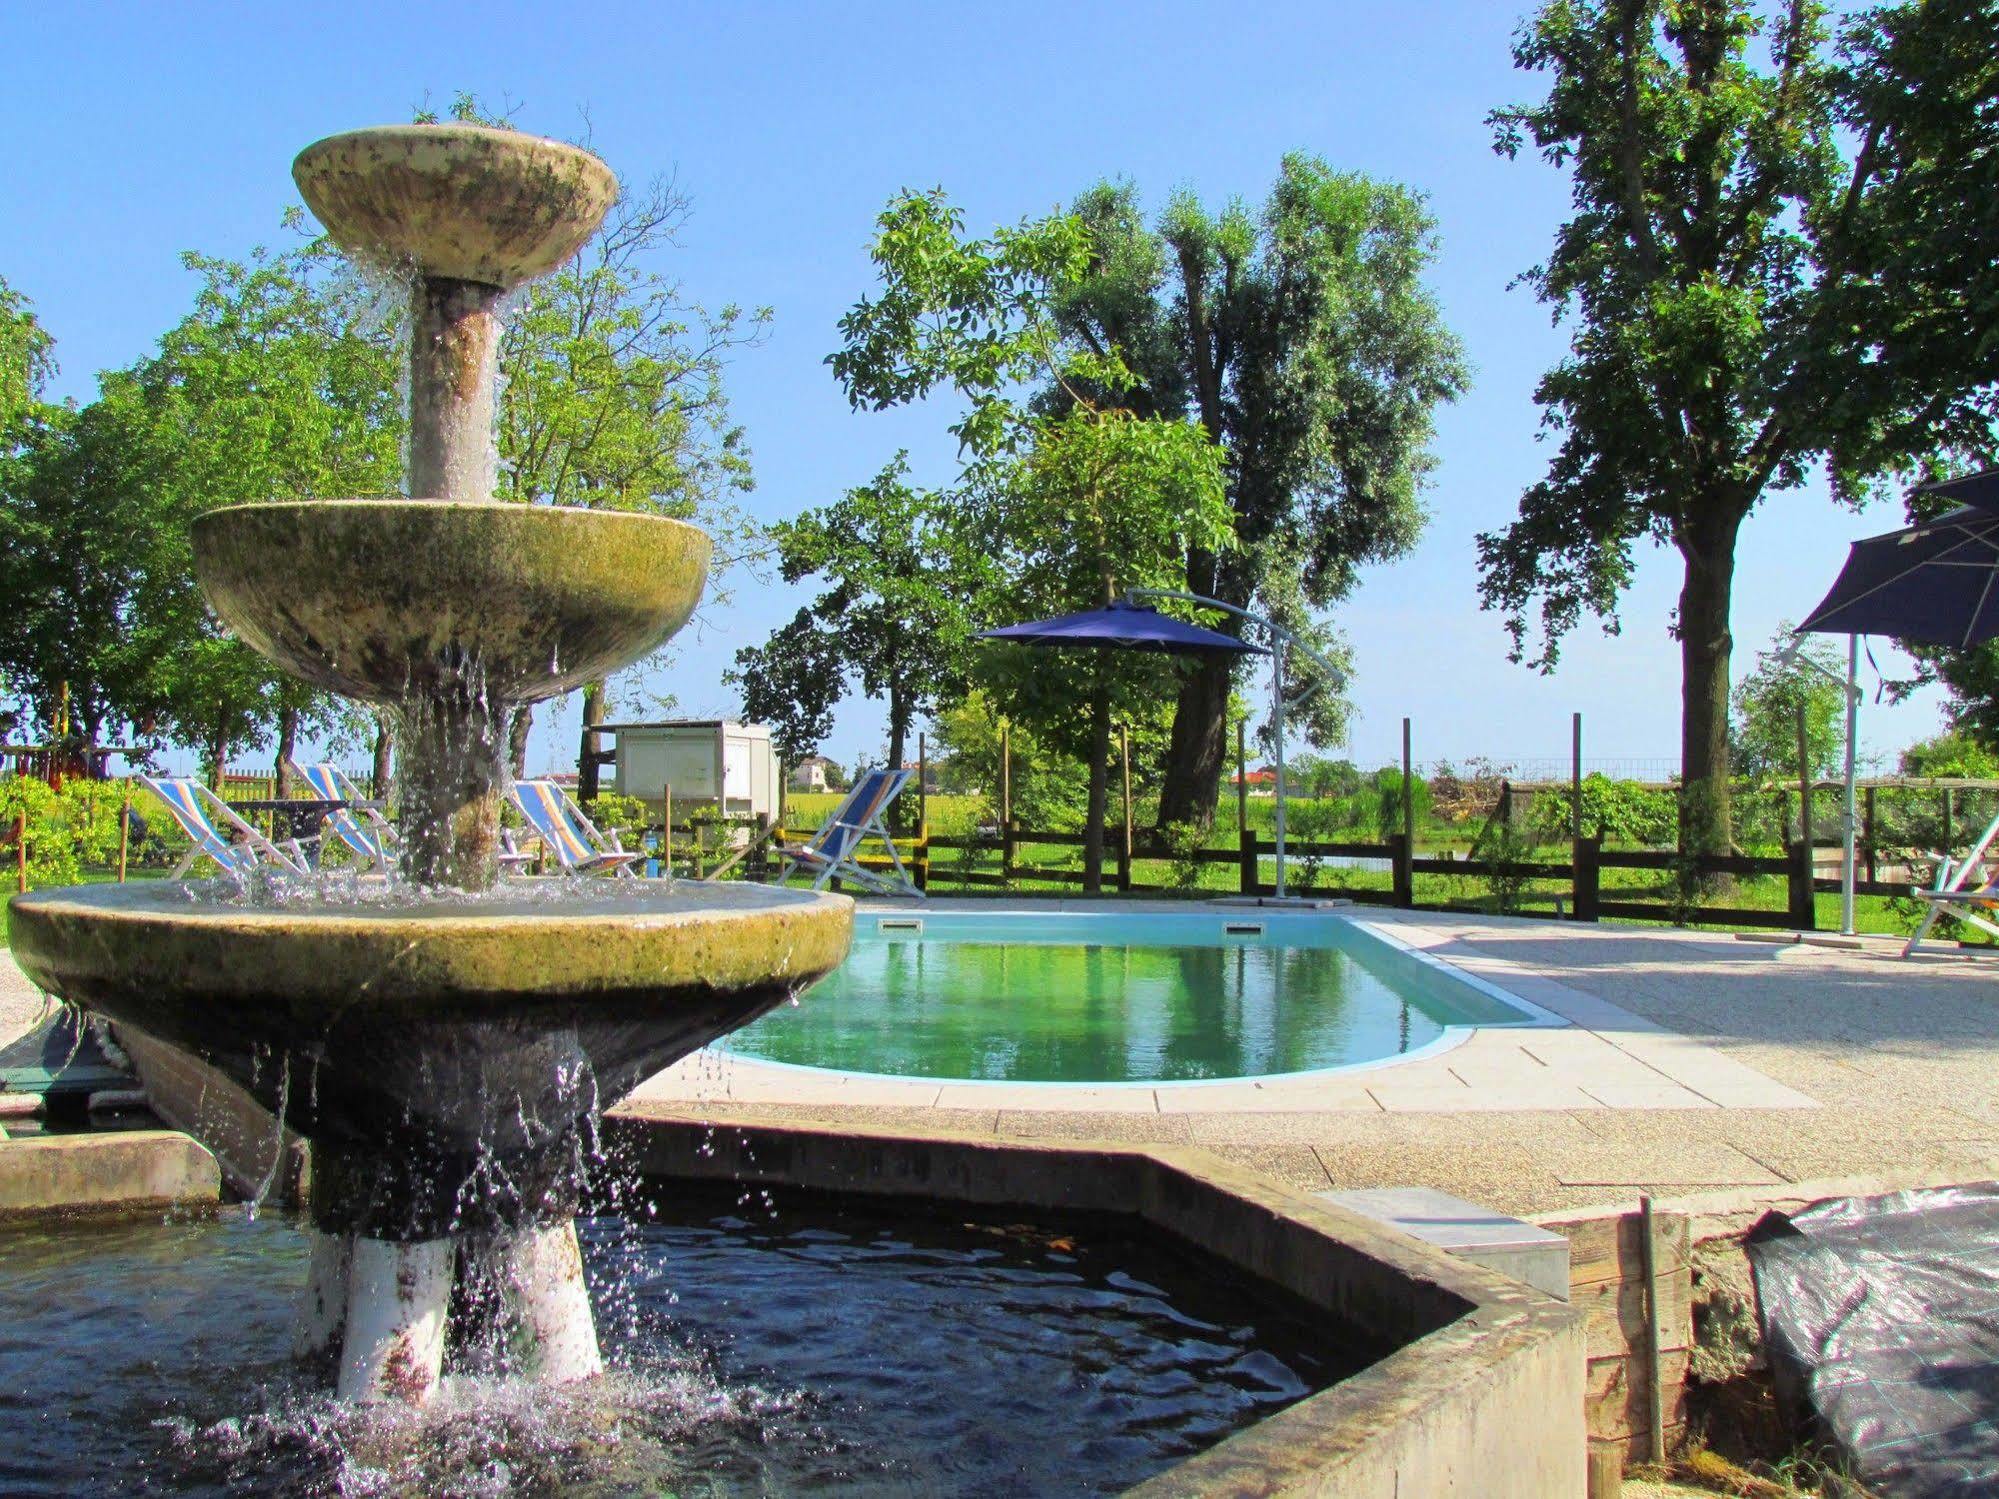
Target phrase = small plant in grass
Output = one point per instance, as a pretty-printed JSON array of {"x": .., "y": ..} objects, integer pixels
[
  {"x": 1184, "y": 843},
  {"x": 1503, "y": 846}
]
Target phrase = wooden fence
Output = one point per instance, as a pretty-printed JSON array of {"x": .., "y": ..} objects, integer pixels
[{"x": 1585, "y": 899}]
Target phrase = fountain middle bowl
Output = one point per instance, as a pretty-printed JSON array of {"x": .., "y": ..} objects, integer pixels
[
  {"x": 396, "y": 599},
  {"x": 441, "y": 1052}
]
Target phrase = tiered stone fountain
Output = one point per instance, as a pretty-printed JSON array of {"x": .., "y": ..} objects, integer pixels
[{"x": 447, "y": 1047}]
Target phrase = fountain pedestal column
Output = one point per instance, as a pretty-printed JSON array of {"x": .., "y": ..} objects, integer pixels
[{"x": 398, "y": 1299}]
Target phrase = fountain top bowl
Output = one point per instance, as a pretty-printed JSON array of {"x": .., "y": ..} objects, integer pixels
[{"x": 470, "y": 202}]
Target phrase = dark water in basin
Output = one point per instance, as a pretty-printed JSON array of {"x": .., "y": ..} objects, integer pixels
[{"x": 824, "y": 1352}]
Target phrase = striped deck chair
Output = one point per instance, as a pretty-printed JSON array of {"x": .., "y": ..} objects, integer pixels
[
  {"x": 225, "y": 837},
  {"x": 569, "y": 835},
  {"x": 832, "y": 852},
  {"x": 1963, "y": 889},
  {"x": 362, "y": 828}
]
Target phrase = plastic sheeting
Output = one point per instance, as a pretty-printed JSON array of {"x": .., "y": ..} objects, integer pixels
[{"x": 1881, "y": 1321}]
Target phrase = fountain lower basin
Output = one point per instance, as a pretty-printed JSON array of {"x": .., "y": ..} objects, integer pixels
[
  {"x": 441, "y": 1052},
  {"x": 448, "y": 1055}
]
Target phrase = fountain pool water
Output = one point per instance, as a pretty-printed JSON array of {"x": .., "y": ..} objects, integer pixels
[
  {"x": 830, "y": 1350},
  {"x": 445, "y": 1050}
]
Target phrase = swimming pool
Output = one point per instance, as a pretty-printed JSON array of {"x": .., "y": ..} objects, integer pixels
[{"x": 1081, "y": 997}]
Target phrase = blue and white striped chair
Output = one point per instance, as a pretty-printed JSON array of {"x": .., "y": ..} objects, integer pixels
[
  {"x": 832, "y": 852},
  {"x": 371, "y": 836},
  {"x": 569, "y": 835},
  {"x": 240, "y": 850}
]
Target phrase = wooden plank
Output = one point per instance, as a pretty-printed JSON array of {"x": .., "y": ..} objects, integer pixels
[
  {"x": 1617, "y": 1400},
  {"x": 1485, "y": 867},
  {"x": 1651, "y": 858},
  {"x": 1611, "y": 1246},
  {"x": 1614, "y": 1313}
]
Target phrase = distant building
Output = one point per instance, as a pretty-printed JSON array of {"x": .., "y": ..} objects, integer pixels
[
  {"x": 809, "y": 774},
  {"x": 1262, "y": 782}
]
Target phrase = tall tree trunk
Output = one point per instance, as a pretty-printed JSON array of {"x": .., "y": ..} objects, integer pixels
[
  {"x": 218, "y": 755},
  {"x": 899, "y": 715},
  {"x": 517, "y": 739},
  {"x": 586, "y": 753},
  {"x": 281, "y": 764},
  {"x": 1198, "y": 749},
  {"x": 1100, "y": 774},
  {"x": 1705, "y": 649},
  {"x": 381, "y": 773}
]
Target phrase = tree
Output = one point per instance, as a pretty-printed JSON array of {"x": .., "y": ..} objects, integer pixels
[
  {"x": 896, "y": 618},
  {"x": 1304, "y": 342},
  {"x": 1075, "y": 494},
  {"x": 1764, "y": 734},
  {"x": 280, "y": 382},
  {"x": 1101, "y": 502},
  {"x": 1732, "y": 278},
  {"x": 612, "y": 396}
]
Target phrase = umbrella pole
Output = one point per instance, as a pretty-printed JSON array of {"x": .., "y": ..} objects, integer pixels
[
  {"x": 1277, "y": 733},
  {"x": 1852, "y": 727}
]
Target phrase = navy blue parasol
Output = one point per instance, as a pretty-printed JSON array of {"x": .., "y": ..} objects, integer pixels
[
  {"x": 1936, "y": 583},
  {"x": 1128, "y": 627}
]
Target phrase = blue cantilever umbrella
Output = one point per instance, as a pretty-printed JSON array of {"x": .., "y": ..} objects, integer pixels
[
  {"x": 1125, "y": 626},
  {"x": 1936, "y": 583},
  {"x": 1120, "y": 625}
]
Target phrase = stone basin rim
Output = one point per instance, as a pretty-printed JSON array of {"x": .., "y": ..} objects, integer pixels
[
  {"x": 135, "y": 903},
  {"x": 422, "y": 504}
]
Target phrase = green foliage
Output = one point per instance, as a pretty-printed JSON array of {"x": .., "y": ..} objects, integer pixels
[
  {"x": 1323, "y": 775},
  {"x": 1503, "y": 844},
  {"x": 627, "y": 816},
  {"x": 1047, "y": 793},
  {"x": 1301, "y": 337},
  {"x": 904, "y": 584},
  {"x": 1390, "y": 798},
  {"x": 1952, "y": 753},
  {"x": 67, "y": 831},
  {"x": 1731, "y": 278},
  {"x": 1622, "y": 813},
  {"x": 1183, "y": 842},
  {"x": 1768, "y": 700}
]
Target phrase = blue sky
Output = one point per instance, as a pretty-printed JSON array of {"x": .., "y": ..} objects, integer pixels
[{"x": 132, "y": 133}]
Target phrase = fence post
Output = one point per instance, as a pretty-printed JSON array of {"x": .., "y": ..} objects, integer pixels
[
  {"x": 1946, "y": 821},
  {"x": 1804, "y": 782},
  {"x": 1867, "y": 832},
  {"x": 1576, "y": 778},
  {"x": 666, "y": 832},
  {"x": 1124, "y": 853},
  {"x": 1408, "y": 796},
  {"x": 757, "y": 866},
  {"x": 1008, "y": 832},
  {"x": 922, "y": 783},
  {"x": 1241, "y": 780},
  {"x": 124, "y": 830},
  {"x": 1588, "y": 879},
  {"x": 21, "y": 852},
  {"x": 1803, "y": 899},
  {"x": 1399, "y": 855},
  {"x": 1250, "y": 862}
]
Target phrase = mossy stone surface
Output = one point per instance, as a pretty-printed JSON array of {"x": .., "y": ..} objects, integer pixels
[
  {"x": 466, "y": 201},
  {"x": 396, "y": 600}
]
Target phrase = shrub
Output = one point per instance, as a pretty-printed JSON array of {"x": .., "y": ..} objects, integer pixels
[
  {"x": 1389, "y": 797},
  {"x": 1616, "y": 811},
  {"x": 1184, "y": 842}
]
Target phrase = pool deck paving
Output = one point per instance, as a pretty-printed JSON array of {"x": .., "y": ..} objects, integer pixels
[{"x": 1668, "y": 1063}]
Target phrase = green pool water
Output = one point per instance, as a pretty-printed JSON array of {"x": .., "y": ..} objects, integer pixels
[{"x": 1117, "y": 999}]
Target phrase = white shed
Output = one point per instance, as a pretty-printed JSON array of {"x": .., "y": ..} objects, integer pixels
[{"x": 706, "y": 762}]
